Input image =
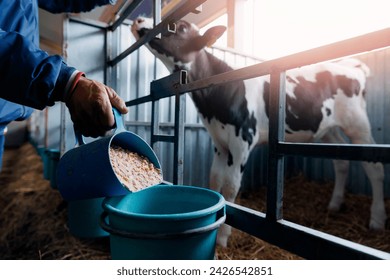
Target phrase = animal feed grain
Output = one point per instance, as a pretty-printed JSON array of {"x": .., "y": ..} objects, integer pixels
[{"x": 134, "y": 171}]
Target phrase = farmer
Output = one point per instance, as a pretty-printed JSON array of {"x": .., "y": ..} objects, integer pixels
[{"x": 29, "y": 77}]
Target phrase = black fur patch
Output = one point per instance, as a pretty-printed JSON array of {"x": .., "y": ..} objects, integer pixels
[
  {"x": 242, "y": 168},
  {"x": 225, "y": 102},
  {"x": 304, "y": 111},
  {"x": 230, "y": 159}
]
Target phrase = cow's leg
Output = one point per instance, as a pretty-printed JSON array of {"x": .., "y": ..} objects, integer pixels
[
  {"x": 217, "y": 170},
  {"x": 217, "y": 179},
  {"x": 361, "y": 134},
  {"x": 230, "y": 188},
  {"x": 375, "y": 173},
  {"x": 225, "y": 177},
  {"x": 341, "y": 170}
]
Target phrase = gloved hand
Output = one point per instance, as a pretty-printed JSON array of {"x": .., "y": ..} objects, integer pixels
[{"x": 90, "y": 106}]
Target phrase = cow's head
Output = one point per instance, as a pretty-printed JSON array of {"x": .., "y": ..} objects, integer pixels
[{"x": 179, "y": 49}]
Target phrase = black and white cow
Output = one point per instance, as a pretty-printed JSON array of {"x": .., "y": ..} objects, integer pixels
[{"x": 319, "y": 99}]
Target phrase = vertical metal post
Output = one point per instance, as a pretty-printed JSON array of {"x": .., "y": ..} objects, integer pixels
[
  {"x": 178, "y": 156},
  {"x": 62, "y": 128},
  {"x": 155, "y": 123},
  {"x": 156, "y": 20},
  {"x": 107, "y": 68},
  {"x": 157, "y": 14},
  {"x": 163, "y": 88},
  {"x": 155, "y": 104},
  {"x": 63, "y": 106},
  {"x": 276, "y": 134},
  {"x": 111, "y": 48}
]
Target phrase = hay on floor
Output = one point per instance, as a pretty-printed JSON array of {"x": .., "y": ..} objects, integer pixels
[{"x": 33, "y": 217}]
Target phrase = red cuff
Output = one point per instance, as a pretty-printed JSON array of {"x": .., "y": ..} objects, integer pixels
[{"x": 76, "y": 79}]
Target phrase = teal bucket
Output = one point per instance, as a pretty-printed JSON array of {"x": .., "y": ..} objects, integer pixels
[
  {"x": 85, "y": 172},
  {"x": 51, "y": 158},
  {"x": 164, "y": 222},
  {"x": 84, "y": 218}
]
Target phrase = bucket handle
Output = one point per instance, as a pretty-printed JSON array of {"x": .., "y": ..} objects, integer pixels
[
  {"x": 119, "y": 125},
  {"x": 170, "y": 235}
]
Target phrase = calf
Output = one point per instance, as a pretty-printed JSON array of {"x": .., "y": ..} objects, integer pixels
[{"x": 319, "y": 99}]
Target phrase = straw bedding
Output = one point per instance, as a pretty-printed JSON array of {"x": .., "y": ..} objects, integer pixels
[{"x": 33, "y": 217}]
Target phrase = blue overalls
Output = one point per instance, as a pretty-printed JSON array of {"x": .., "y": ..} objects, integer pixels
[{"x": 29, "y": 77}]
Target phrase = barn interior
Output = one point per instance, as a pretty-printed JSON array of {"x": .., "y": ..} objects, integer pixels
[{"x": 35, "y": 218}]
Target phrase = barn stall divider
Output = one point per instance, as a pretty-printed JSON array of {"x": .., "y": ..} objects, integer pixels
[{"x": 108, "y": 62}]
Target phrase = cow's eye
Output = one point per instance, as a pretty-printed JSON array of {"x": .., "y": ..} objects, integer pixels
[{"x": 182, "y": 29}]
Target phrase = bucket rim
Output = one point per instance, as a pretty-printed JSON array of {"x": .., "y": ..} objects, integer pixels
[{"x": 177, "y": 216}]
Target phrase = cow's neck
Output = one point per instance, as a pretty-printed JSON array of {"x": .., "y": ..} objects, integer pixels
[
  {"x": 206, "y": 65},
  {"x": 226, "y": 102}
]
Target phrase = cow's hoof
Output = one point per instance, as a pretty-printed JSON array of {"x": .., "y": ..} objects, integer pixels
[
  {"x": 376, "y": 225},
  {"x": 378, "y": 217},
  {"x": 222, "y": 241},
  {"x": 336, "y": 205}
]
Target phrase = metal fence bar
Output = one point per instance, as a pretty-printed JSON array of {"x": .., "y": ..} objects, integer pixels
[
  {"x": 275, "y": 160},
  {"x": 157, "y": 13},
  {"x": 163, "y": 138},
  {"x": 126, "y": 12},
  {"x": 185, "y": 8},
  {"x": 89, "y": 22},
  {"x": 178, "y": 153},
  {"x": 364, "y": 43},
  {"x": 364, "y": 152},
  {"x": 300, "y": 240},
  {"x": 163, "y": 88},
  {"x": 139, "y": 100}
]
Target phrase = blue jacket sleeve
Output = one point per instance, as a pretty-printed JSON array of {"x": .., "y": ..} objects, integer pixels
[
  {"x": 38, "y": 81},
  {"x": 74, "y": 6}
]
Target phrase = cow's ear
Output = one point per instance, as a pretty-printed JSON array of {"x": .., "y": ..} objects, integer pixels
[{"x": 211, "y": 36}]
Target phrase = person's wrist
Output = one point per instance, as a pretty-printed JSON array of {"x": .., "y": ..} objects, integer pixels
[{"x": 73, "y": 85}]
